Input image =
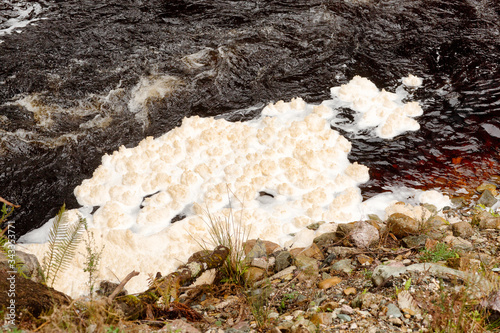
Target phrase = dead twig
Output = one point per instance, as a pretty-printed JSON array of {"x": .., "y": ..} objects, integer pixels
[
  {"x": 8, "y": 203},
  {"x": 121, "y": 285}
]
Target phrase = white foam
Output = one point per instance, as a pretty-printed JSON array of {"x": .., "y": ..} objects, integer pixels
[
  {"x": 22, "y": 15},
  {"x": 380, "y": 111},
  {"x": 207, "y": 165}
]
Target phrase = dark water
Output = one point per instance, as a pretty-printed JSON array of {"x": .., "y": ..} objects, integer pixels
[{"x": 80, "y": 63}]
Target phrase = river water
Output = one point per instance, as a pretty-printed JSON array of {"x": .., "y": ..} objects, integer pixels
[{"x": 73, "y": 76}]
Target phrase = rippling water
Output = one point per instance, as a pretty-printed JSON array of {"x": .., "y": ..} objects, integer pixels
[{"x": 71, "y": 81}]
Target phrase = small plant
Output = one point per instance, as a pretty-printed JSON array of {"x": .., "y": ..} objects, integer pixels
[
  {"x": 232, "y": 234},
  {"x": 287, "y": 298},
  {"x": 259, "y": 305},
  {"x": 481, "y": 207},
  {"x": 63, "y": 241},
  {"x": 92, "y": 260},
  {"x": 367, "y": 273},
  {"x": 440, "y": 252}
]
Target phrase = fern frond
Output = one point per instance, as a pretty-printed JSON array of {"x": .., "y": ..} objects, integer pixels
[
  {"x": 48, "y": 258},
  {"x": 66, "y": 247}
]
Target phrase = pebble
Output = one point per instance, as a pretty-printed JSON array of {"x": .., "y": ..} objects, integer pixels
[
  {"x": 393, "y": 311},
  {"x": 343, "y": 265},
  {"x": 328, "y": 283},
  {"x": 344, "y": 317},
  {"x": 350, "y": 291}
]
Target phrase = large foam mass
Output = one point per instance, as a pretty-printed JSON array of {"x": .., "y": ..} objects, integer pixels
[{"x": 275, "y": 175}]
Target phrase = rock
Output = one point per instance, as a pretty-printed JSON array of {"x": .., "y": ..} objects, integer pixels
[
  {"x": 487, "y": 186},
  {"x": 255, "y": 248},
  {"x": 487, "y": 199},
  {"x": 462, "y": 229},
  {"x": 367, "y": 301},
  {"x": 328, "y": 283},
  {"x": 329, "y": 306},
  {"x": 342, "y": 251},
  {"x": 344, "y": 317},
  {"x": 458, "y": 243},
  {"x": 346, "y": 309},
  {"x": 486, "y": 220},
  {"x": 326, "y": 240},
  {"x": 435, "y": 223},
  {"x": 343, "y": 265},
  {"x": 283, "y": 260},
  {"x": 382, "y": 273},
  {"x": 396, "y": 321},
  {"x": 415, "y": 241},
  {"x": 393, "y": 311},
  {"x": 263, "y": 263},
  {"x": 350, "y": 291},
  {"x": 179, "y": 325},
  {"x": 363, "y": 259},
  {"x": 315, "y": 226},
  {"x": 27, "y": 264},
  {"x": 322, "y": 318},
  {"x": 309, "y": 266},
  {"x": 303, "y": 326},
  {"x": 344, "y": 229},
  {"x": 313, "y": 251},
  {"x": 364, "y": 235},
  {"x": 401, "y": 225}
]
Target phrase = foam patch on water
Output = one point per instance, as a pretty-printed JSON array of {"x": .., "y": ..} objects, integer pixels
[
  {"x": 273, "y": 176},
  {"x": 381, "y": 112}
]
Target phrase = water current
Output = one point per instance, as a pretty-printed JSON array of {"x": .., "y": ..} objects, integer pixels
[{"x": 73, "y": 77}]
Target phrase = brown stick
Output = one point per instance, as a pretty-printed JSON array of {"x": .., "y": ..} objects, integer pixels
[
  {"x": 8, "y": 203},
  {"x": 121, "y": 285}
]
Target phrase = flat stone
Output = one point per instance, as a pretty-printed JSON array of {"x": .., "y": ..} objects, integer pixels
[
  {"x": 401, "y": 225},
  {"x": 343, "y": 265},
  {"x": 393, "y": 311},
  {"x": 254, "y": 274},
  {"x": 342, "y": 251},
  {"x": 363, "y": 259},
  {"x": 344, "y": 317},
  {"x": 487, "y": 199},
  {"x": 415, "y": 241},
  {"x": 329, "y": 306},
  {"x": 266, "y": 246},
  {"x": 313, "y": 251},
  {"x": 382, "y": 273},
  {"x": 350, "y": 291},
  {"x": 487, "y": 186},
  {"x": 326, "y": 240},
  {"x": 459, "y": 243},
  {"x": 346, "y": 309},
  {"x": 309, "y": 266},
  {"x": 462, "y": 229},
  {"x": 283, "y": 260},
  {"x": 328, "y": 283},
  {"x": 322, "y": 318}
]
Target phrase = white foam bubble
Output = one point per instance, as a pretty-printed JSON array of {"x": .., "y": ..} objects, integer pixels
[{"x": 278, "y": 173}]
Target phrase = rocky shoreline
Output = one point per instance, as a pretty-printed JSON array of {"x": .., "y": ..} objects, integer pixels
[{"x": 438, "y": 273}]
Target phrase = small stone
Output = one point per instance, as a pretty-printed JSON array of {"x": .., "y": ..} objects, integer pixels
[
  {"x": 309, "y": 266},
  {"x": 264, "y": 247},
  {"x": 382, "y": 273},
  {"x": 415, "y": 241},
  {"x": 273, "y": 315},
  {"x": 363, "y": 259},
  {"x": 328, "y": 283},
  {"x": 367, "y": 301},
  {"x": 462, "y": 229},
  {"x": 343, "y": 265},
  {"x": 350, "y": 291},
  {"x": 313, "y": 251},
  {"x": 459, "y": 243},
  {"x": 315, "y": 226},
  {"x": 283, "y": 260},
  {"x": 396, "y": 321},
  {"x": 329, "y": 306},
  {"x": 344, "y": 317},
  {"x": 322, "y": 318},
  {"x": 254, "y": 274},
  {"x": 401, "y": 225},
  {"x": 263, "y": 263},
  {"x": 487, "y": 186},
  {"x": 353, "y": 326},
  {"x": 326, "y": 240},
  {"x": 487, "y": 199},
  {"x": 486, "y": 220},
  {"x": 346, "y": 309},
  {"x": 393, "y": 311},
  {"x": 364, "y": 235}
]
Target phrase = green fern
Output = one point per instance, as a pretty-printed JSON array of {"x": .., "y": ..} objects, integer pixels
[{"x": 63, "y": 241}]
